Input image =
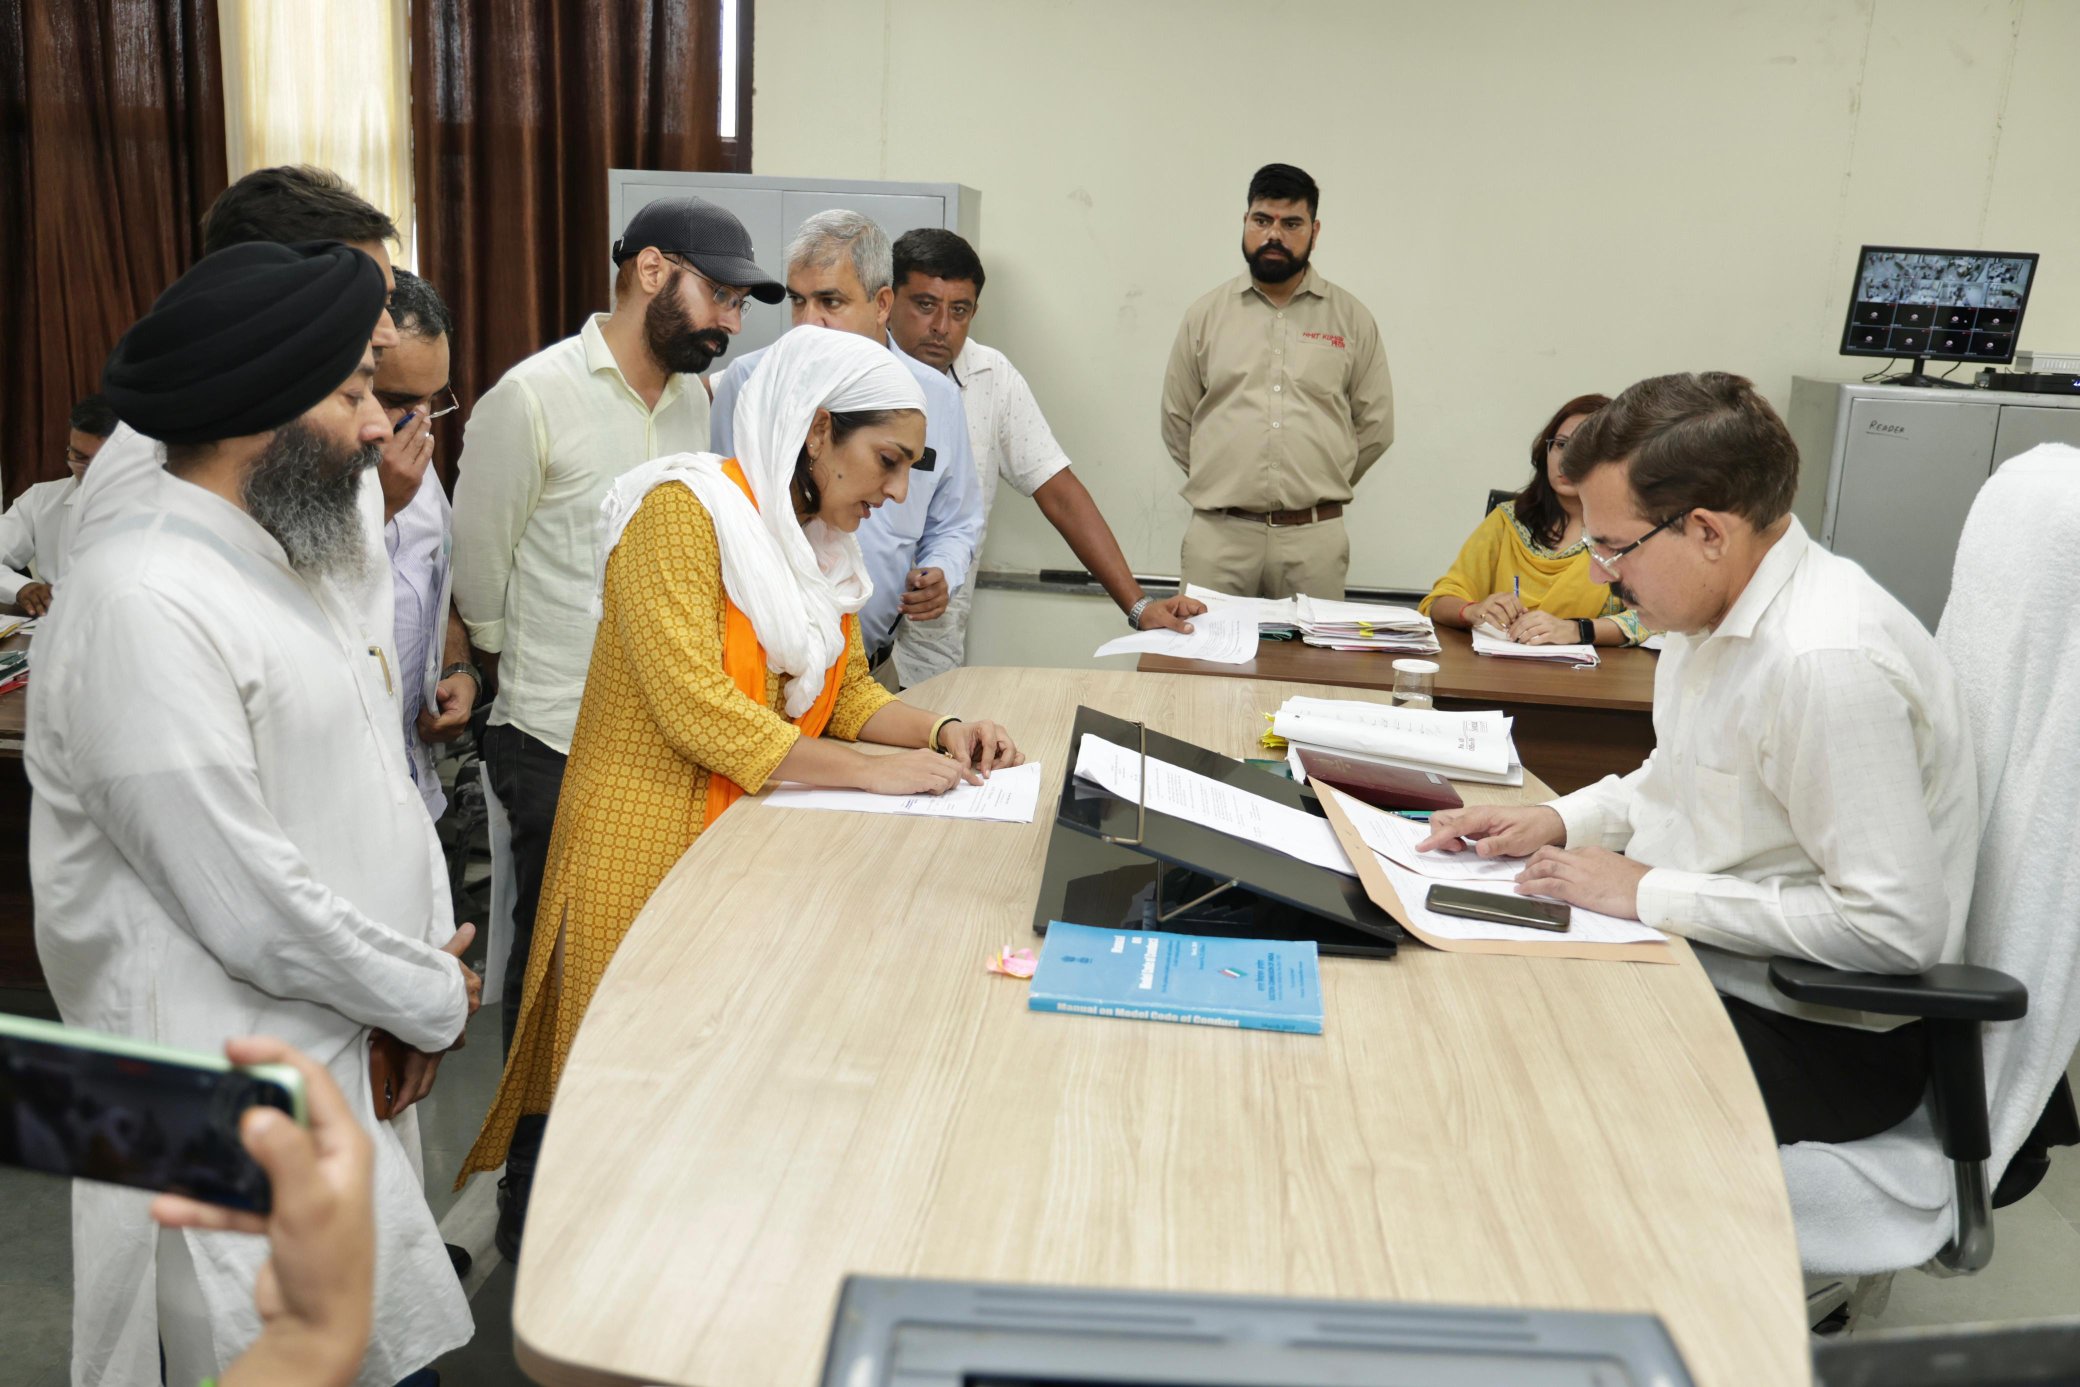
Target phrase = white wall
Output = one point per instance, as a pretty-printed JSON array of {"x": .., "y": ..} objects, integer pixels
[{"x": 1535, "y": 199}]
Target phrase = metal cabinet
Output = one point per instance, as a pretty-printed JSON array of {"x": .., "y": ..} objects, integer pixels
[
  {"x": 1888, "y": 473},
  {"x": 774, "y": 208}
]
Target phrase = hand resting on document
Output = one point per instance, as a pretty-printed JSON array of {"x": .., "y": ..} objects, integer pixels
[
  {"x": 1543, "y": 628},
  {"x": 1593, "y": 878}
]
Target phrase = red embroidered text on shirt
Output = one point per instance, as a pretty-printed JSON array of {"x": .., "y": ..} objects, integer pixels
[{"x": 1329, "y": 337}]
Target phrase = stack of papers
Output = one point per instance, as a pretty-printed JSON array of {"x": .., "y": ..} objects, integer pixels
[
  {"x": 1277, "y": 617},
  {"x": 1365, "y": 626},
  {"x": 1321, "y": 621},
  {"x": 1493, "y": 640},
  {"x": 1459, "y": 746}
]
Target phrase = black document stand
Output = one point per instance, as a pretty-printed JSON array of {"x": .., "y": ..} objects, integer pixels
[{"x": 1188, "y": 879}]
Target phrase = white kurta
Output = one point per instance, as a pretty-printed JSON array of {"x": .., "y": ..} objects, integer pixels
[{"x": 224, "y": 842}]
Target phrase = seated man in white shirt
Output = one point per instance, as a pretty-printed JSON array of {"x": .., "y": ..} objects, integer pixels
[
  {"x": 221, "y": 843},
  {"x": 1812, "y": 790},
  {"x": 938, "y": 291},
  {"x": 36, "y": 532}
]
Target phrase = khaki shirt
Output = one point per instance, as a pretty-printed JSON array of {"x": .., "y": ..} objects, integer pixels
[{"x": 1271, "y": 408}]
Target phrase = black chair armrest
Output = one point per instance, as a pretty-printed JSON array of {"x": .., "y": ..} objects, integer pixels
[{"x": 1946, "y": 992}]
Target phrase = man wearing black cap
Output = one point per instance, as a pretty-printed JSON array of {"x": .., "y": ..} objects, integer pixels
[
  {"x": 223, "y": 840},
  {"x": 542, "y": 448}
]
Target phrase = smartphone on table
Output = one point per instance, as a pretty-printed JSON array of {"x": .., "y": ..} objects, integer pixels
[
  {"x": 89, "y": 1106},
  {"x": 1499, "y": 909}
]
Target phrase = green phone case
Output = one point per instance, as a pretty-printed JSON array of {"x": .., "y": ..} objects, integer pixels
[{"x": 52, "y": 1033}]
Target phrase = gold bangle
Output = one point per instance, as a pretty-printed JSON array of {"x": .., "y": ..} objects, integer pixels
[{"x": 932, "y": 742}]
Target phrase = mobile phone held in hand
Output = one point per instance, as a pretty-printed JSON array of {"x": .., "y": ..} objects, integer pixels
[
  {"x": 88, "y": 1106},
  {"x": 1499, "y": 909}
]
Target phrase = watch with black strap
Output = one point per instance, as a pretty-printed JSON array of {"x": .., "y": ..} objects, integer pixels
[{"x": 1586, "y": 627}]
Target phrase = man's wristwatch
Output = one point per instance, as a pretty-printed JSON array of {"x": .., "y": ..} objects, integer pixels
[
  {"x": 476, "y": 676},
  {"x": 1134, "y": 614},
  {"x": 1585, "y": 626}
]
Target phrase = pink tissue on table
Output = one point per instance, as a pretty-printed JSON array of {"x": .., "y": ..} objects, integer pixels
[{"x": 1014, "y": 963}]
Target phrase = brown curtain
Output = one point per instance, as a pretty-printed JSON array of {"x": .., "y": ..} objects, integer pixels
[
  {"x": 111, "y": 149},
  {"x": 519, "y": 108}
]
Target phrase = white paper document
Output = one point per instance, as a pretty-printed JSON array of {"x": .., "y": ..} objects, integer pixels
[
  {"x": 1452, "y": 743},
  {"x": 1279, "y": 612},
  {"x": 1217, "y": 805},
  {"x": 1009, "y": 796},
  {"x": 1225, "y": 638},
  {"x": 1587, "y": 927},
  {"x": 1493, "y": 640},
  {"x": 1394, "y": 839}
]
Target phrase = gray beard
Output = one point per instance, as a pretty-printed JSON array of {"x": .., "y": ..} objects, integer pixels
[{"x": 307, "y": 494}]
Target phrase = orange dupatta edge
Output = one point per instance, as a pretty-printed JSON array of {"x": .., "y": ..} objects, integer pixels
[{"x": 744, "y": 661}]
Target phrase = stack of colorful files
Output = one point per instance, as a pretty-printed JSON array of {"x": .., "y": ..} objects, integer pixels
[
  {"x": 1325, "y": 622},
  {"x": 14, "y": 670},
  {"x": 1365, "y": 626},
  {"x": 1459, "y": 746}
]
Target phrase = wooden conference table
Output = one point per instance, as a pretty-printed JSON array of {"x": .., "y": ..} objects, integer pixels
[
  {"x": 1574, "y": 724},
  {"x": 797, "y": 1067}
]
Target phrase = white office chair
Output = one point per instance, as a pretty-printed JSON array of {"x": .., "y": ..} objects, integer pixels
[{"x": 1923, "y": 1193}]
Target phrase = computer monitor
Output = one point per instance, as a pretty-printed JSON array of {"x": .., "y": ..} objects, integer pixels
[{"x": 1937, "y": 305}]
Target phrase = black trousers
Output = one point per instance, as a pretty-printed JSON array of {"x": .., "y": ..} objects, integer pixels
[
  {"x": 527, "y": 777},
  {"x": 1830, "y": 1083}
]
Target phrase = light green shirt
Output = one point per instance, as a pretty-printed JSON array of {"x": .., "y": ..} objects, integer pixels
[{"x": 542, "y": 449}]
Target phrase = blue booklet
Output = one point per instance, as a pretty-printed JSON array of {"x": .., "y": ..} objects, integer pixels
[{"x": 1257, "y": 984}]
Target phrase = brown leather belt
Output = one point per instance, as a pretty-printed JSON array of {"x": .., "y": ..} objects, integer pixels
[{"x": 1327, "y": 510}]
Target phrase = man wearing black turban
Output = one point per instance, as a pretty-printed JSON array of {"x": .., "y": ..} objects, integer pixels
[{"x": 223, "y": 839}]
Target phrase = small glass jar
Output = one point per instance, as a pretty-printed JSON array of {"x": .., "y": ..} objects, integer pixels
[{"x": 1415, "y": 683}]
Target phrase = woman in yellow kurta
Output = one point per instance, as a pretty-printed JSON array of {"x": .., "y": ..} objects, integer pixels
[
  {"x": 1525, "y": 569},
  {"x": 728, "y": 654}
]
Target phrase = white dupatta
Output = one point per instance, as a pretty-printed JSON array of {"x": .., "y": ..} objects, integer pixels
[{"x": 796, "y": 583}]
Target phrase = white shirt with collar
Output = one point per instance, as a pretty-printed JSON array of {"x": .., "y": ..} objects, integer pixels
[
  {"x": 36, "y": 535},
  {"x": 224, "y": 842},
  {"x": 1009, "y": 438},
  {"x": 541, "y": 450},
  {"x": 1006, "y": 430},
  {"x": 1812, "y": 790}
]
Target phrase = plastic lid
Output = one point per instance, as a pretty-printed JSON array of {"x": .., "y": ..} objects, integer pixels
[{"x": 1415, "y": 666}]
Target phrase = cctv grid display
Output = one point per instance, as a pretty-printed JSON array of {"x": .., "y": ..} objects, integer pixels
[{"x": 1945, "y": 304}]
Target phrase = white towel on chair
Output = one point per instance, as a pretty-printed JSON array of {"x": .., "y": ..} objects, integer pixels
[{"x": 2012, "y": 631}]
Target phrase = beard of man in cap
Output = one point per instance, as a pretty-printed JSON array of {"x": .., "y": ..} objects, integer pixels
[{"x": 682, "y": 327}]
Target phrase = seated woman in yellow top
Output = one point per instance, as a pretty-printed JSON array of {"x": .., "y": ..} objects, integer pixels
[
  {"x": 1525, "y": 569},
  {"x": 728, "y": 655}
]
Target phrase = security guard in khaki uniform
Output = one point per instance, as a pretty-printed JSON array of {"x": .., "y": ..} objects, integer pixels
[{"x": 1276, "y": 401}]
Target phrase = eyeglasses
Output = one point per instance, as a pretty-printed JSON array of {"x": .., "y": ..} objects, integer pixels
[
  {"x": 722, "y": 296},
  {"x": 440, "y": 402},
  {"x": 1608, "y": 560},
  {"x": 1558, "y": 442}
]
